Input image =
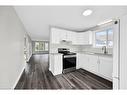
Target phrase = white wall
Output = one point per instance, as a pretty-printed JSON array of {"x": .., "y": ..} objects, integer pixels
[
  {"x": 123, "y": 52},
  {"x": 11, "y": 47}
]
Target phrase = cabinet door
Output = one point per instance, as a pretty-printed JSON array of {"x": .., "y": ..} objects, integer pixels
[
  {"x": 93, "y": 63},
  {"x": 55, "y": 36},
  {"x": 88, "y": 37},
  {"x": 115, "y": 84},
  {"x": 71, "y": 36},
  {"x": 84, "y": 38},
  {"x": 85, "y": 63},
  {"x": 80, "y": 38},
  {"x": 82, "y": 61},
  {"x": 63, "y": 34},
  {"x": 51, "y": 63},
  {"x": 106, "y": 67},
  {"x": 58, "y": 64},
  {"x": 79, "y": 60}
]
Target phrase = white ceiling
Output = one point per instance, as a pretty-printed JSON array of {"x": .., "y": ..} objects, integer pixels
[{"x": 38, "y": 19}]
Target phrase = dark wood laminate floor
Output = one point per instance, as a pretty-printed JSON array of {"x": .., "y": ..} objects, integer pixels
[{"x": 37, "y": 76}]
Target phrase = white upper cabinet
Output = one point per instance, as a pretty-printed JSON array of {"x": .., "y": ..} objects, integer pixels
[
  {"x": 55, "y": 36},
  {"x": 71, "y": 37},
  {"x": 62, "y": 35},
  {"x": 59, "y": 35},
  {"x": 84, "y": 38}
]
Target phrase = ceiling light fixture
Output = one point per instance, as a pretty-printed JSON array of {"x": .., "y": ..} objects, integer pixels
[
  {"x": 87, "y": 12},
  {"x": 105, "y": 22}
]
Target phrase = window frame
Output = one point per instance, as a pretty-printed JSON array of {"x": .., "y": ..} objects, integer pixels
[
  {"x": 100, "y": 30},
  {"x": 44, "y": 46}
]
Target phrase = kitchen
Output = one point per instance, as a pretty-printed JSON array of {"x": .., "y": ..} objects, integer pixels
[
  {"x": 67, "y": 47},
  {"x": 91, "y": 50}
]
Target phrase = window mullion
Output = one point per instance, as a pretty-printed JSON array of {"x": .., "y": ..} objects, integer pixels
[
  {"x": 107, "y": 38},
  {"x": 44, "y": 46}
]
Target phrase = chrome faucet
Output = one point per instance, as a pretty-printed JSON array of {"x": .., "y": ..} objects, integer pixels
[{"x": 104, "y": 49}]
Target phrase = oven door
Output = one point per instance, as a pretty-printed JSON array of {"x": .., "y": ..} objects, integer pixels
[{"x": 69, "y": 61}]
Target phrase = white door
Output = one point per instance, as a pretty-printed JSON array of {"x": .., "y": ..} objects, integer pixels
[{"x": 106, "y": 67}]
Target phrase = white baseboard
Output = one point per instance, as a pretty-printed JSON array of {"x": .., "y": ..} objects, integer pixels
[{"x": 19, "y": 77}]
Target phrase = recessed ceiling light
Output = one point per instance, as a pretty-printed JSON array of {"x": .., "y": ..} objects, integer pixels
[{"x": 87, "y": 12}]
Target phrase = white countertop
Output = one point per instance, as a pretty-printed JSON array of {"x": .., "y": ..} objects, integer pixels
[
  {"x": 84, "y": 52},
  {"x": 92, "y": 53}
]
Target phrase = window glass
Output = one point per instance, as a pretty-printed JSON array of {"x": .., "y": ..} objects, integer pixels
[
  {"x": 101, "y": 38},
  {"x": 46, "y": 46},
  {"x": 110, "y": 38},
  {"x": 41, "y": 46},
  {"x": 104, "y": 38}
]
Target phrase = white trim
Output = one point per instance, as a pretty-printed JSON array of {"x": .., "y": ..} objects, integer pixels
[
  {"x": 19, "y": 77},
  {"x": 116, "y": 57}
]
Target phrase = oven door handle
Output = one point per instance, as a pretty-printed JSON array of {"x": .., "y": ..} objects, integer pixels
[{"x": 70, "y": 56}]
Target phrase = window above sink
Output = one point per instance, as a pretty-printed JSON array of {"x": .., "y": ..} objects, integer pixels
[{"x": 103, "y": 38}]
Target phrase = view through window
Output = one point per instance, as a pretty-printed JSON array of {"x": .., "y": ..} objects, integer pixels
[
  {"x": 104, "y": 38},
  {"x": 41, "y": 46}
]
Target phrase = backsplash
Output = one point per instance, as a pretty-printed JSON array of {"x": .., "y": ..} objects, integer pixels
[
  {"x": 95, "y": 50},
  {"x": 54, "y": 47}
]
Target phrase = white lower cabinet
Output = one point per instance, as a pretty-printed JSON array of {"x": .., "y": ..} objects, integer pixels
[
  {"x": 79, "y": 60},
  {"x": 85, "y": 64},
  {"x": 82, "y": 61},
  {"x": 55, "y": 64},
  {"x": 115, "y": 83},
  {"x": 106, "y": 67},
  {"x": 99, "y": 65},
  {"x": 93, "y": 63}
]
